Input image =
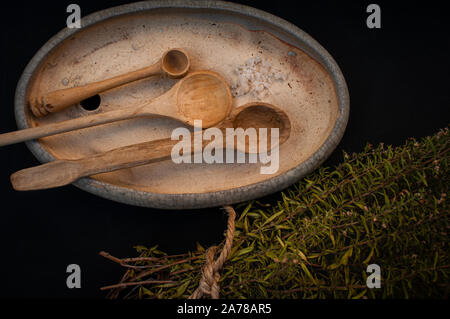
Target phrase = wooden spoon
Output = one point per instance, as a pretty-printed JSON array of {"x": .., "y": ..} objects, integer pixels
[
  {"x": 202, "y": 95},
  {"x": 63, "y": 172},
  {"x": 174, "y": 62}
]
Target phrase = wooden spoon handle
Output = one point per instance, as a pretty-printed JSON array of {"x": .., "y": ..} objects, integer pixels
[
  {"x": 58, "y": 100},
  {"x": 69, "y": 125},
  {"x": 63, "y": 172}
]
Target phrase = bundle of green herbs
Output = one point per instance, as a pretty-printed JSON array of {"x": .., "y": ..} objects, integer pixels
[{"x": 386, "y": 206}]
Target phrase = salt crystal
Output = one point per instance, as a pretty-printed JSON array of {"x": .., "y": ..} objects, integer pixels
[{"x": 255, "y": 77}]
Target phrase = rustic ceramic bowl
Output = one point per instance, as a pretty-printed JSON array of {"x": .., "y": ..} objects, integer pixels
[{"x": 218, "y": 36}]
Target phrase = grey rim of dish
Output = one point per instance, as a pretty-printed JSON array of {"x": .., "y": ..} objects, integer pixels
[{"x": 211, "y": 199}]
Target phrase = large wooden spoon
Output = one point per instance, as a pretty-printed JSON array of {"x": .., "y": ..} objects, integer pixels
[
  {"x": 63, "y": 172},
  {"x": 175, "y": 63},
  {"x": 202, "y": 95}
]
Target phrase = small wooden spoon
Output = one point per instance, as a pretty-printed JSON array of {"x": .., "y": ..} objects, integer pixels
[
  {"x": 202, "y": 95},
  {"x": 63, "y": 172},
  {"x": 174, "y": 62}
]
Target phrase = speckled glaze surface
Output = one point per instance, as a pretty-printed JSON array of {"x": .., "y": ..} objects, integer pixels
[{"x": 318, "y": 123}]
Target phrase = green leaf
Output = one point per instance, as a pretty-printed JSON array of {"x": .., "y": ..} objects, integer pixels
[
  {"x": 301, "y": 254},
  {"x": 346, "y": 256},
  {"x": 244, "y": 251},
  {"x": 333, "y": 266},
  {"x": 306, "y": 270},
  {"x": 360, "y": 295},
  {"x": 246, "y": 210},
  {"x": 281, "y": 242},
  {"x": 366, "y": 261},
  {"x": 140, "y": 248},
  {"x": 200, "y": 247},
  {"x": 145, "y": 291},
  {"x": 332, "y": 238},
  {"x": 181, "y": 289},
  {"x": 268, "y": 220},
  {"x": 436, "y": 258}
]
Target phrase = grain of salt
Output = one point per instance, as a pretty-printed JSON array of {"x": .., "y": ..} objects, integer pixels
[{"x": 255, "y": 77}]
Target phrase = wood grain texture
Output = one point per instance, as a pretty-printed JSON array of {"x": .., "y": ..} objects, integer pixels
[{"x": 63, "y": 172}]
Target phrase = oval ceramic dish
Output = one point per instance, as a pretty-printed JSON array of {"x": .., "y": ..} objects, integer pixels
[{"x": 218, "y": 36}]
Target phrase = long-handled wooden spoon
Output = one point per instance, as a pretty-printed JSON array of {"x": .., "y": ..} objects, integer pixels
[
  {"x": 174, "y": 62},
  {"x": 62, "y": 172},
  {"x": 202, "y": 95}
]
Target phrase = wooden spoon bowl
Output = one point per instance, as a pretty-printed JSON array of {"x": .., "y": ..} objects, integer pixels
[
  {"x": 260, "y": 115},
  {"x": 203, "y": 96},
  {"x": 175, "y": 63}
]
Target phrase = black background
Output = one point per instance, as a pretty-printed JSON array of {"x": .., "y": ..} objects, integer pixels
[{"x": 398, "y": 82}]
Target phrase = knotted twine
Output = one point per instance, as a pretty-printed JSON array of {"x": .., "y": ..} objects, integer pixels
[{"x": 209, "y": 283}]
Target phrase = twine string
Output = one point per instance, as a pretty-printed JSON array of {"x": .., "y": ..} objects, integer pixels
[{"x": 209, "y": 283}]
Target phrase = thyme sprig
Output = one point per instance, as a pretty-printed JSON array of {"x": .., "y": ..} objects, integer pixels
[{"x": 386, "y": 205}]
